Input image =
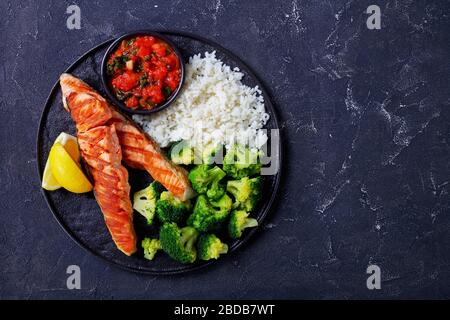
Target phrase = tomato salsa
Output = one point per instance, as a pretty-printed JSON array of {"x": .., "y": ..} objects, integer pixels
[{"x": 143, "y": 72}]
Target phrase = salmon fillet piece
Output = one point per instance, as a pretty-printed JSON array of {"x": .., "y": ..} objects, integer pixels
[
  {"x": 141, "y": 152},
  {"x": 138, "y": 149},
  {"x": 100, "y": 150},
  {"x": 87, "y": 108}
]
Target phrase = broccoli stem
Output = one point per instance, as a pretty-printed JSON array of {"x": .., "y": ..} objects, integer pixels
[
  {"x": 187, "y": 238},
  {"x": 223, "y": 249},
  {"x": 250, "y": 223}
]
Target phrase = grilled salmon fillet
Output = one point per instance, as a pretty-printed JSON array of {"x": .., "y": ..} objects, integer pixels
[
  {"x": 87, "y": 108},
  {"x": 141, "y": 152},
  {"x": 101, "y": 151},
  {"x": 90, "y": 109}
]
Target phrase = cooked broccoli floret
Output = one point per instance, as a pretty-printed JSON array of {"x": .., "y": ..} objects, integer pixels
[
  {"x": 216, "y": 191},
  {"x": 224, "y": 203},
  {"x": 207, "y": 180},
  {"x": 240, "y": 161},
  {"x": 150, "y": 246},
  {"x": 247, "y": 192},
  {"x": 179, "y": 243},
  {"x": 239, "y": 220},
  {"x": 182, "y": 153},
  {"x": 171, "y": 209},
  {"x": 144, "y": 201},
  {"x": 209, "y": 215},
  {"x": 210, "y": 247}
]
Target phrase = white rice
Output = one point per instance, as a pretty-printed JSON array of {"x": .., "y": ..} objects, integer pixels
[{"x": 214, "y": 106}]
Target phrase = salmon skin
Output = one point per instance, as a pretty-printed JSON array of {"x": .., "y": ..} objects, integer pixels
[
  {"x": 106, "y": 137},
  {"x": 100, "y": 150}
]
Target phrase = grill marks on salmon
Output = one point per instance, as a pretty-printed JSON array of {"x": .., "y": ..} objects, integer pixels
[
  {"x": 87, "y": 111},
  {"x": 106, "y": 137},
  {"x": 101, "y": 151},
  {"x": 140, "y": 152}
]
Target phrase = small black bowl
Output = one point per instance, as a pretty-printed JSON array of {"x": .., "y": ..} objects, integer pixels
[{"x": 105, "y": 76}]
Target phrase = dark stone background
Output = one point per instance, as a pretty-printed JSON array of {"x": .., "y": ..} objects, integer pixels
[{"x": 365, "y": 117}]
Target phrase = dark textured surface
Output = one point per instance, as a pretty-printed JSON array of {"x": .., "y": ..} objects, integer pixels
[{"x": 365, "y": 119}]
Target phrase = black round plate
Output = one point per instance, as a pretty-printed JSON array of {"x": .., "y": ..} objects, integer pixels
[{"x": 80, "y": 215}]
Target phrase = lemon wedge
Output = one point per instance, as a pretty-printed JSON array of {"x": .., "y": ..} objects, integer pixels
[
  {"x": 48, "y": 180},
  {"x": 71, "y": 145},
  {"x": 66, "y": 171}
]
